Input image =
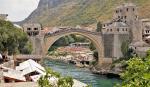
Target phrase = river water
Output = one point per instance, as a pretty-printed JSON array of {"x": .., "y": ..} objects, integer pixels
[{"x": 81, "y": 74}]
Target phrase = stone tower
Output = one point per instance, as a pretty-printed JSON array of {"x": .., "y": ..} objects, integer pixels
[
  {"x": 128, "y": 14},
  {"x": 114, "y": 34},
  {"x": 3, "y": 16},
  {"x": 34, "y": 31}
]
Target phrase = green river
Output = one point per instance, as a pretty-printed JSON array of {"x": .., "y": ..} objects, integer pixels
[{"x": 81, "y": 74}]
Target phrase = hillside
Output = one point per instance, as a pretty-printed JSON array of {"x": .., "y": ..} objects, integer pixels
[{"x": 80, "y": 12}]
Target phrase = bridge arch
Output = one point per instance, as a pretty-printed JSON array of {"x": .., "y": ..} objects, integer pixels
[{"x": 94, "y": 37}]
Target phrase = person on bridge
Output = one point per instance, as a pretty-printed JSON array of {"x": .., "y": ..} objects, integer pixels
[{"x": 1, "y": 58}]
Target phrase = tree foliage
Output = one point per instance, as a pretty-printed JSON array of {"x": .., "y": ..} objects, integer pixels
[
  {"x": 99, "y": 27},
  {"x": 13, "y": 39},
  {"x": 126, "y": 51},
  {"x": 137, "y": 73},
  {"x": 66, "y": 40},
  {"x": 92, "y": 47},
  {"x": 95, "y": 54},
  {"x": 61, "y": 82},
  {"x": 65, "y": 82}
]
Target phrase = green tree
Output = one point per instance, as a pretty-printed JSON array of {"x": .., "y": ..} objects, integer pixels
[
  {"x": 12, "y": 39},
  {"x": 126, "y": 51},
  {"x": 65, "y": 82},
  {"x": 137, "y": 73},
  {"x": 62, "y": 81},
  {"x": 95, "y": 54},
  {"x": 92, "y": 47},
  {"x": 99, "y": 27}
]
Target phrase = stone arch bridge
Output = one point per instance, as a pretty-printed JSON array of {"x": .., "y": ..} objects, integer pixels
[{"x": 42, "y": 42}]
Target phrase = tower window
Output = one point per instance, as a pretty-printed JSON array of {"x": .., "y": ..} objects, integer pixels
[
  {"x": 107, "y": 29},
  {"x": 28, "y": 28},
  {"x": 136, "y": 16},
  {"x": 133, "y": 9},
  {"x": 122, "y": 29},
  {"x": 35, "y": 28},
  {"x": 118, "y": 16},
  {"x": 125, "y": 17},
  {"x": 110, "y": 29},
  {"x": 121, "y": 17},
  {"x": 120, "y": 10},
  {"x": 126, "y": 29},
  {"x": 127, "y": 9},
  {"x": 116, "y": 11},
  {"x": 118, "y": 29}
]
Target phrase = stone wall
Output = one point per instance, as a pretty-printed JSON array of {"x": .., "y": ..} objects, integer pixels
[
  {"x": 37, "y": 43},
  {"x": 112, "y": 44},
  {"x": 108, "y": 45}
]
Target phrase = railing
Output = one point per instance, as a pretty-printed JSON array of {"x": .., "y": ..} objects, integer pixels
[
  {"x": 28, "y": 56},
  {"x": 63, "y": 31}
]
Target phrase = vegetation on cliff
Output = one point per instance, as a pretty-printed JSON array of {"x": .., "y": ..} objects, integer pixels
[{"x": 81, "y": 12}]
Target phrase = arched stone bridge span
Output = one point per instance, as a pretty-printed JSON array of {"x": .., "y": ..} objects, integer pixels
[{"x": 94, "y": 37}]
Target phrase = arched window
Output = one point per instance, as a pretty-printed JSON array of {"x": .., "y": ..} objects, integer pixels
[
  {"x": 110, "y": 29},
  {"x": 136, "y": 16},
  {"x": 28, "y": 28},
  {"x": 127, "y": 9},
  {"x": 118, "y": 29},
  {"x": 122, "y": 29},
  {"x": 107, "y": 29},
  {"x": 125, "y": 17},
  {"x": 120, "y": 10},
  {"x": 133, "y": 9},
  {"x": 35, "y": 28},
  {"x": 121, "y": 17},
  {"x": 116, "y": 11}
]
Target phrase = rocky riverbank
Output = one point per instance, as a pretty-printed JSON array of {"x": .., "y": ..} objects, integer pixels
[
  {"x": 109, "y": 73},
  {"x": 80, "y": 64},
  {"x": 108, "y": 70}
]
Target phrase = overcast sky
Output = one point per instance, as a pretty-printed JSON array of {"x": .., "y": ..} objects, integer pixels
[{"x": 17, "y": 9}]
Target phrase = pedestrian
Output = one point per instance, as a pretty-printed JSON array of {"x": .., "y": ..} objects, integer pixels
[{"x": 1, "y": 58}]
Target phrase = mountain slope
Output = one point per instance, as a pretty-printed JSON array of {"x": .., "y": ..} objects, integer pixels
[{"x": 80, "y": 12}]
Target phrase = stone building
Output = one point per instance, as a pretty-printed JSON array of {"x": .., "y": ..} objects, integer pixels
[
  {"x": 34, "y": 30},
  {"x": 127, "y": 13},
  {"x": 146, "y": 30},
  {"x": 125, "y": 26},
  {"x": 3, "y": 16}
]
